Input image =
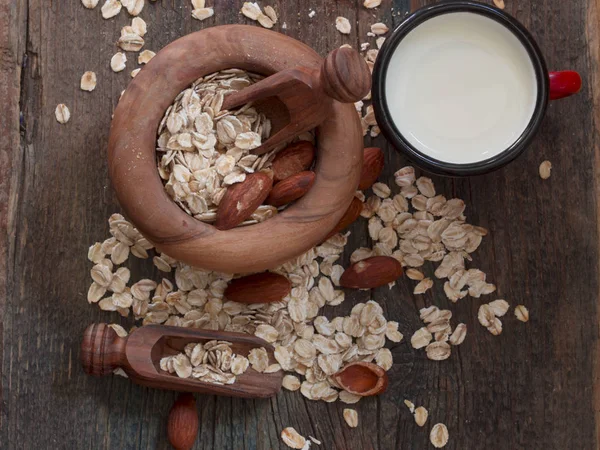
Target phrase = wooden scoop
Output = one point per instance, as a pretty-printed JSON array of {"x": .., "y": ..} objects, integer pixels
[
  {"x": 139, "y": 355},
  {"x": 299, "y": 99}
]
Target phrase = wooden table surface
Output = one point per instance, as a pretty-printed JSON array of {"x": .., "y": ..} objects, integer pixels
[{"x": 533, "y": 387}]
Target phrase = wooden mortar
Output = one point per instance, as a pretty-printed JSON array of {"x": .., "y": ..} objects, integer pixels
[{"x": 132, "y": 159}]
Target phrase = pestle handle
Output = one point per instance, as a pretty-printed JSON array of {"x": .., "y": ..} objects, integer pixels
[
  {"x": 102, "y": 350},
  {"x": 345, "y": 75}
]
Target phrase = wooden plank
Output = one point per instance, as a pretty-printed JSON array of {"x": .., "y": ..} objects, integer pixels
[
  {"x": 12, "y": 46},
  {"x": 531, "y": 387},
  {"x": 593, "y": 34}
]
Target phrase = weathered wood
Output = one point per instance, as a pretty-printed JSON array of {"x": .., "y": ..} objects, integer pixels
[
  {"x": 593, "y": 37},
  {"x": 13, "y": 34},
  {"x": 531, "y": 387}
]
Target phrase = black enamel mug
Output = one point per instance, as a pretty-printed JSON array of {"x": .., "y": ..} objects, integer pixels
[{"x": 461, "y": 88}]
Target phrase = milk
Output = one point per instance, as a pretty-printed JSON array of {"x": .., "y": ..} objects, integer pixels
[{"x": 461, "y": 88}]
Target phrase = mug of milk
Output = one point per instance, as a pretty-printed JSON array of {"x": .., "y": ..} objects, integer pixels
[{"x": 461, "y": 88}]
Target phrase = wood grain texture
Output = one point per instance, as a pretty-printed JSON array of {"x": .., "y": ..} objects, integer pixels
[
  {"x": 13, "y": 35},
  {"x": 593, "y": 33},
  {"x": 531, "y": 387},
  {"x": 139, "y": 355}
]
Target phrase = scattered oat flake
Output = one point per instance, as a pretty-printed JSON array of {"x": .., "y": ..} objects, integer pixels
[
  {"x": 379, "y": 28},
  {"x": 410, "y": 405},
  {"x": 251, "y": 10},
  {"x": 139, "y": 26},
  {"x": 203, "y": 13},
  {"x": 485, "y": 315},
  {"x": 438, "y": 351},
  {"x": 270, "y": 12},
  {"x": 379, "y": 42},
  {"x": 545, "y": 170},
  {"x": 62, "y": 113},
  {"x": 117, "y": 62},
  {"x": 343, "y": 25},
  {"x": 421, "y": 415},
  {"x": 90, "y": 4},
  {"x": 424, "y": 285},
  {"x": 488, "y": 315},
  {"x": 371, "y": 3},
  {"x": 499, "y": 3},
  {"x": 351, "y": 417},
  {"x": 134, "y": 72},
  {"x": 130, "y": 41},
  {"x": 414, "y": 274},
  {"x": 134, "y": 7},
  {"x": 145, "y": 56},
  {"x": 312, "y": 13},
  {"x": 522, "y": 313},
  {"x": 495, "y": 327},
  {"x": 381, "y": 190},
  {"x": 439, "y": 435},
  {"x": 88, "y": 81},
  {"x": 315, "y": 440},
  {"x": 197, "y": 4},
  {"x": 421, "y": 338},
  {"x": 459, "y": 334},
  {"x": 349, "y": 398},
  {"x": 499, "y": 307},
  {"x": 259, "y": 359},
  {"x": 291, "y": 383},
  {"x": 265, "y": 21},
  {"x": 111, "y": 8},
  {"x": 292, "y": 438}
]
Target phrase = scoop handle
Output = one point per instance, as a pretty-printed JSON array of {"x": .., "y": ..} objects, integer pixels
[
  {"x": 345, "y": 75},
  {"x": 564, "y": 84},
  {"x": 102, "y": 350}
]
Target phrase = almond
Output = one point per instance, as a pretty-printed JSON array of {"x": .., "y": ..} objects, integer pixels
[
  {"x": 371, "y": 272},
  {"x": 293, "y": 159},
  {"x": 242, "y": 199},
  {"x": 362, "y": 378},
  {"x": 182, "y": 427},
  {"x": 262, "y": 287},
  {"x": 372, "y": 166},
  {"x": 290, "y": 189},
  {"x": 351, "y": 214}
]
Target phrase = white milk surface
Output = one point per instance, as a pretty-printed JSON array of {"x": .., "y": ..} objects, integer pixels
[{"x": 461, "y": 88}]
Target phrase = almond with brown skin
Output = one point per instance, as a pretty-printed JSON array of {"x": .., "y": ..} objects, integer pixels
[
  {"x": 293, "y": 159},
  {"x": 362, "y": 378},
  {"x": 183, "y": 424},
  {"x": 262, "y": 287},
  {"x": 351, "y": 214},
  {"x": 371, "y": 272},
  {"x": 372, "y": 166},
  {"x": 291, "y": 189},
  {"x": 242, "y": 199}
]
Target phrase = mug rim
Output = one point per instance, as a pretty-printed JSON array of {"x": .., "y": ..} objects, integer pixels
[{"x": 393, "y": 134}]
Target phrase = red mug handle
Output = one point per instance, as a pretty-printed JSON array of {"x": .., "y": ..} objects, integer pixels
[{"x": 564, "y": 83}]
